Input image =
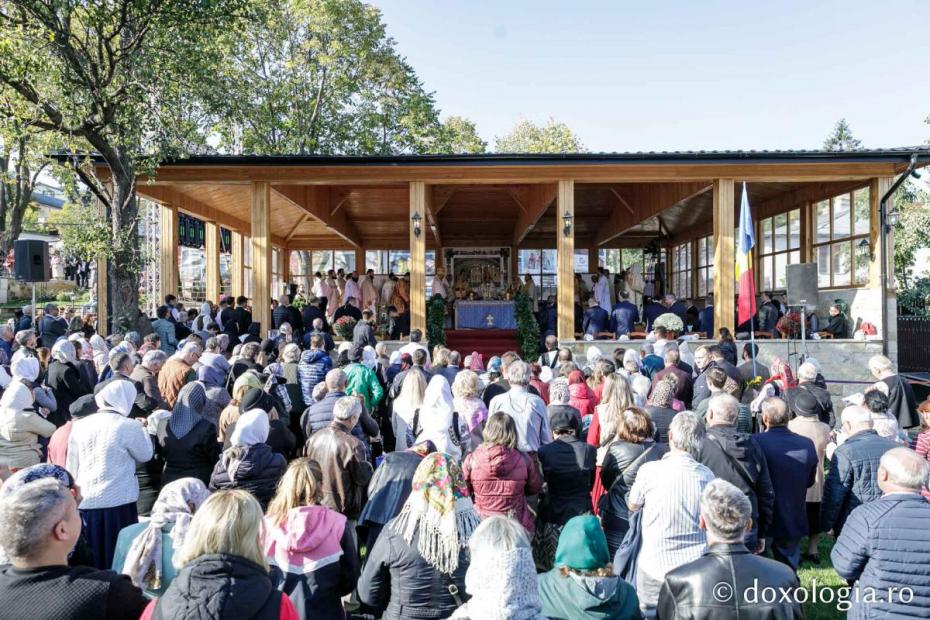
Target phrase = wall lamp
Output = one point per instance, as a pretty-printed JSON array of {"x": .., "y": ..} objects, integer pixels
[
  {"x": 417, "y": 221},
  {"x": 567, "y": 224}
]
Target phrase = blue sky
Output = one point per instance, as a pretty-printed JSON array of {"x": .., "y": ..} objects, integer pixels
[{"x": 630, "y": 76}]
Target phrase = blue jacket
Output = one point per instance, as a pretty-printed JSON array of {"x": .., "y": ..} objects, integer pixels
[
  {"x": 884, "y": 545},
  {"x": 166, "y": 334},
  {"x": 596, "y": 320},
  {"x": 793, "y": 460},
  {"x": 651, "y": 312},
  {"x": 706, "y": 317},
  {"x": 623, "y": 317},
  {"x": 313, "y": 366},
  {"x": 852, "y": 479}
]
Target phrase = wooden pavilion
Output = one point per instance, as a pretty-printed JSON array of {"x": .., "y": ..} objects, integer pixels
[{"x": 687, "y": 202}]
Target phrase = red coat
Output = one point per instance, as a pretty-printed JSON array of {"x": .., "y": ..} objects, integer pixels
[
  {"x": 500, "y": 478},
  {"x": 582, "y": 398}
]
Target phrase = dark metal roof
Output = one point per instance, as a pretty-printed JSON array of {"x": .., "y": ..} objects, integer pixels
[{"x": 897, "y": 154}]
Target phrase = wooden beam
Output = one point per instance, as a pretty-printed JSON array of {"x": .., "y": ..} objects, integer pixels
[
  {"x": 441, "y": 196},
  {"x": 417, "y": 259},
  {"x": 338, "y": 197},
  {"x": 641, "y": 202},
  {"x": 431, "y": 219},
  {"x": 724, "y": 255},
  {"x": 261, "y": 254},
  {"x": 168, "y": 251},
  {"x": 211, "y": 253},
  {"x": 303, "y": 218},
  {"x": 238, "y": 285},
  {"x": 565, "y": 245},
  {"x": 538, "y": 199},
  {"x": 877, "y": 188},
  {"x": 318, "y": 202}
]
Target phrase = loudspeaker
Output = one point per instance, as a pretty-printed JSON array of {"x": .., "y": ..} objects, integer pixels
[
  {"x": 31, "y": 260},
  {"x": 802, "y": 284}
]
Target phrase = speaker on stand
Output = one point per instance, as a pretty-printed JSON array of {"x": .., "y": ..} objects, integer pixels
[
  {"x": 30, "y": 264},
  {"x": 802, "y": 291}
]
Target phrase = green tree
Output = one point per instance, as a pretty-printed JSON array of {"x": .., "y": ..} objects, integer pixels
[
  {"x": 132, "y": 80},
  {"x": 842, "y": 138},
  {"x": 323, "y": 77},
  {"x": 460, "y": 136},
  {"x": 911, "y": 232},
  {"x": 22, "y": 162},
  {"x": 528, "y": 137}
]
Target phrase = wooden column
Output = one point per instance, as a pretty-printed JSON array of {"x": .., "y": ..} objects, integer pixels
[
  {"x": 168, "y": 245},
  {"x": 286, "y": 268},
  {"x": 565, "y": 244},
  {"x": 806, "y": 228},
  {"x": 724, "y": 255},
  {"x": 360, "y": 261},
  {"x": 261, "y": 254},
  {"x": 211, "y": 250},
  {"x": 877, "y": 188},
  {"x": 593, "y": 259},
  {"x": 418, "y": 257},
  {"x": 235, "y": 266}
]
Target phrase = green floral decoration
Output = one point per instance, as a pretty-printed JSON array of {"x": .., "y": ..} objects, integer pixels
[
  {"x": 344, "y": 327},
  {"x": 527, "y": 326},
  {"x": 436, "y": 321}
]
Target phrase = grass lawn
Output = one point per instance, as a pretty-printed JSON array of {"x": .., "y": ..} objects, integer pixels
[{"x": 825, "y": 577}]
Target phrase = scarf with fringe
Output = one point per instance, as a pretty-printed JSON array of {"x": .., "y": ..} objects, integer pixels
[{"x": 439, "y": 512}]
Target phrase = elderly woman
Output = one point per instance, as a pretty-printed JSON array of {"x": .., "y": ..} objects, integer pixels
[
  {"x": 405, "y": 406},
  {"x": 21, "y": 426},
  {"x": 437, "y": 421},
  {"x": 287, "y": 368},
  {"x": 501, "y": 577},
  {"x": 145, "y": 551},
  {"x": 26, "y": 343},
  {"x": 64, "y": 379},
  {"x": 213, "y": 378},
  {"x": 85, "y": 359},
  {"x": 187, "y": 440},
  {"x": 103, "y": 451},
  {"x": 421, "y": 553},
  {"x": 229, "y": 415},
  {"x": 471, "y": 409},
  {"x": 582, "y": 584},
  {"x": 660, "y": 407},
  {"x": 249, "y": 463},
  {"x": 27, "y": 369},
  {"x": 500, "y": 476},
  {"x": 101, "y": 352}
]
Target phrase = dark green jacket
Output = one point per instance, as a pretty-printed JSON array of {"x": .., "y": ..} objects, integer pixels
[{"x": 574, "y": 597}]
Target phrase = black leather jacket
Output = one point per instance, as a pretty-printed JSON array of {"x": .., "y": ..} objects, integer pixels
[
  {"x": 728, "y": 582},
  {"x": 618, "y": 473}
]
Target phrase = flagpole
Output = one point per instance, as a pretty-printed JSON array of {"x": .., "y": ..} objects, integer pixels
[{"x": 752, "y": 346}]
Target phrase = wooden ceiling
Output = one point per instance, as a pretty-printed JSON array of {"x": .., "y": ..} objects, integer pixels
[{"x": 609, "y": 215}]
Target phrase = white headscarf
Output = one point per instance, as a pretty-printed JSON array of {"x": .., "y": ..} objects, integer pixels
[
  {"x": 99, "y": 345},
  {"x": 64, "y": 352},
  {"x": 17, "y": 397},
  {"x": 436, "y": 418},
  {"x": 118, "y": 395},
  {"x": 25, "y": 367},
  {"x": 252, "y": 428},
  {"x": 369, "y": 357}
]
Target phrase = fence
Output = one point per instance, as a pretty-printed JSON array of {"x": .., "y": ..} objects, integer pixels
[{"x": 914, "y": 343}]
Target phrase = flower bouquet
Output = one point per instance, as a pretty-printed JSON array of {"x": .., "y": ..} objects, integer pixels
[
  {"x": 671, "y": 322},
  {"x": 344, "y": 327}
]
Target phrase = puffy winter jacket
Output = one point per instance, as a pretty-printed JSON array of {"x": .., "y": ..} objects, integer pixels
[
  {"x": 255, "y": 469},
  {"x": 884, "y": 547},
  {"x": 397, "y": 579},
  {"x": 313, "y": 560},
  {"x": 852, "y": 479},
  {"x": 312, "y": 369},
  {"x": 361, "y": 380},
  {"x": 500, "y": 478}
]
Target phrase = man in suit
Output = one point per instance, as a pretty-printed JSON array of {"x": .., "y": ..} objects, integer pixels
[
  {"x": 651, "y": 311},
  {"x": 51, "y": 327},
  {"x": 901, "y": 400},
  {"x": 364, "y": 334},
  {"x": 793, "y": 461},
  {"x": 624, "y": 315},
  {"x": 242, "y": 315},
  {"x": 313, "y": 311},
  {"x": 596, "y": 319},
  {"x": 349, "y": 308},
  {"x": 706, "y": 316}
]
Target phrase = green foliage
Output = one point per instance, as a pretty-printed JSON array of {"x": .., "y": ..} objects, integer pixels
[
  {"x": 460, "y": 136},
  {"x": 915, "y": 299},
  {"x": 527, "y": 326},
  {"x": 322, "y": 76},
  {"x": 841, "y": 139},
  {"x": 912, "y": 232},
  {"x": 344, "y": 327},
  {"x": 436, "y": 321},
  {"x": 84, "y": 234},
  {"x": 22, "y": 161},
  {"x": 528, "y": 137}
]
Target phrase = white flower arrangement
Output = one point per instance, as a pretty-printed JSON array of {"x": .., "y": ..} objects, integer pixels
[{"x": 670, "y": 321}]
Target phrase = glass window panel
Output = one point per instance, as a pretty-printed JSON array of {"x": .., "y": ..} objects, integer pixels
[
  {"x": 225, "y": 274},
  {"x": 841, "y": 264},
  {"x": 767, "y": 235},
  {"x": 321, "y": 261},
  {"x": 581, "y": 261},
  {"x": 781, "y": 262},
  {"x": 710, "y": 281},
  {"x": 861, "y": 214},
  {"x": 247, "y": 281},
  {"x": 344, "y": 259},
  {"x": 548, "y": 285},
  {"x": 376, "y": 260},
  {"x": 794, "y": 229},
  {"x": 823, "y": 266},
  {"x": 702, "y": 282},
  {"x": 767, "y": 273},
  {"x": 549, "y": 261},
  {"x": 841, "y": 216},
  {"x": 529, "y": 261},
  {"x": 431, "y": 262},
  {"x": 399, "y": 261},
  {"x": 794, "y": 257},
  {"x": 862, "y": 262},
  {"x": 823, "y": 221},
  {"x": 781, "y": 232}
]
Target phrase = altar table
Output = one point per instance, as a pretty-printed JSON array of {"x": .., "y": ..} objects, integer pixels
[{"x": 474, "y": 314}]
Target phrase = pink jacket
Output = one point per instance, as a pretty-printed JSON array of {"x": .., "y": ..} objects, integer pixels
[{"x": 500, "y": 478}]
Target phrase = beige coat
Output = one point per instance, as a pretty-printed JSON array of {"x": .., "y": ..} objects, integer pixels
[
  {"x": 19, "y": 437},
  {"x": 819, "y": 433}
]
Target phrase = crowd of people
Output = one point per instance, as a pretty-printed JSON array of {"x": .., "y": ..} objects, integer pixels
[{"x": 202, "y": 470}]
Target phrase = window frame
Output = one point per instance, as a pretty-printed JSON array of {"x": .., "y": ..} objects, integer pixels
[
  {"x": 836, "y": 243},
  {"x": 770, "y": 255}
]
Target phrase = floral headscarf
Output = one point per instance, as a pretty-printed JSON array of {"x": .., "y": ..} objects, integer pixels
[
  {"x": 187, "y": 409},
  {"x": 439, "y": 512},
  {"x": 662, "y": 394},
  {"x": 177, "y": 503}
]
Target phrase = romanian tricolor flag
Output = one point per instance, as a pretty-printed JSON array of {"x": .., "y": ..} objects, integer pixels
[{"x": 746, "y": 305}]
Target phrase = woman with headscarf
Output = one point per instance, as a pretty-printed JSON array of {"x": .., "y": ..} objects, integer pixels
[
  {"x": 145, "y": 551},
  {"x": 781, "y": 376},
  {"x": 246, "y": 381},
  {"x": 85, "y": 360},
  {"x": 203, "y": 321},
  {"x": 581, "y": 396},
  {"x": 659, "y": 407},
  {"x": 471, "y": 409},
  {"x": 405, "y": 406},
  {"x": 187, "y": 440},
  {"x": 501, "y": 577},
  {"x": 27, "y": 369},
  {"x": 420, "y": 555},
  {"x": 64, "y": 379},
  {"x": 287, "y": 367},
  {"x": 213, "y": 378},
  {"x": 103, "y": 451},
  {"x": 101, "y": 352},
  {"x": 21, "y": 426},
  {"x": 438, "y": 422},
  {"x": 249, "y": 463},
  {"x": 312, "y": 546}
]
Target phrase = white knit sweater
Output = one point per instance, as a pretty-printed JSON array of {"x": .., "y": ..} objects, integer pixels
[{"x": 103, "y": 451}]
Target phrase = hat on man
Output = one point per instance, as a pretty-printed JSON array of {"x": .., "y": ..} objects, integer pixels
[
  {"x": 560, "y": 420},
  {"x": 803, "y": 403}
]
